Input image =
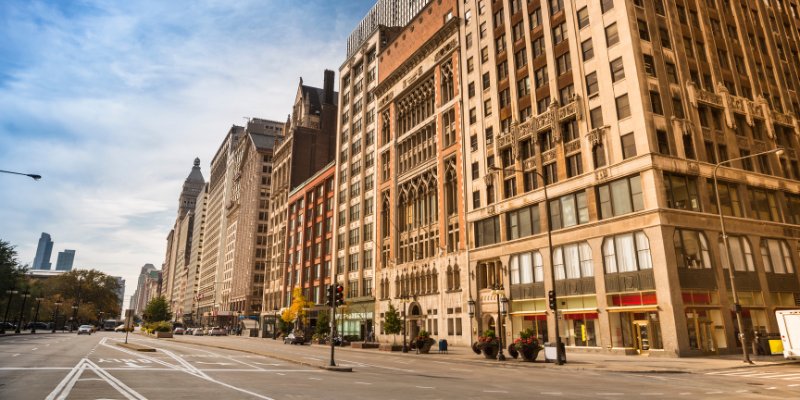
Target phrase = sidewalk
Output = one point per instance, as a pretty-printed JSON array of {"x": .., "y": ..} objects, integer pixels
[{"x": 575, "y": 361}]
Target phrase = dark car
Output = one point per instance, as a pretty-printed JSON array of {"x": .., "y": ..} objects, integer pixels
[
  {"x": 37, "y": 325},
  {"x": 294, "y": 339},
  {"x": 7, "y": 325}
]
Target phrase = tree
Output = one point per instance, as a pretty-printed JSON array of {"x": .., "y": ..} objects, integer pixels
[
  {"x": 297, "y": 311},
  {"x": 93, "y": 291},
  {"x": 391, "y": 323},
  {"x": 157, "y": 310}
]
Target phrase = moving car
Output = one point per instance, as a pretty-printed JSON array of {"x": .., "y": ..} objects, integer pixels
[
  {"x": 87, "y": 329},
  {"x": 217, "y": 331},
  {"x": 37, "y": 325},
  {"x": 294, "y": 339},
  {"x": 179, "y": 331}
]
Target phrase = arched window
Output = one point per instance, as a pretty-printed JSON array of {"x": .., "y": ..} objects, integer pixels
[
  {"x": 526, "y": 268},
  {"x": 627, "y": 252},
  {"x": 456, "y": 278},
  {"x": 691, "y": 249},
  {"x": 741, "y": 254},
  {"x": 573, "y": 261},
  {"x": 776, "y": 256}
]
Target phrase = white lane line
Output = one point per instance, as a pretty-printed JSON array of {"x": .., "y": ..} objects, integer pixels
[
  {"x": 35, "y": 368},
  {"x": 426, "y": 387},
  {"x": 787, "y": 376},
  {"x": 15, "y": 354},
  {"x": 741, "y": 391},
  {"x": 771, "y": 388},
  {"x": 652, "y": 394},
  {"x": 610, "y": 394},
  {"x": 281, "y": 374},
  {"x": 551, "y": 393},
  {"x": 685, "y": 393},
  {"x": 34, "y": 349},
  {"x": 714, "y": 392},
  {"x": 315, "y": 379},
  {"x": 495, "y": 391},
  {"x": 793, "y": 385},
  {"x": 61, "y": 385},
  {"x": 122, "y": 388},
  {"x": 362, "y": 383}
]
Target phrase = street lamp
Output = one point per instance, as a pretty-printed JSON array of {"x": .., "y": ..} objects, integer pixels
[
  {"x": 22, "y": 310},
  {"x": 736, "y": 306},
  {"x": 35, "y": 177},
  {"x": 74, "y": 316},
  {"x": 502, "y": 303},
  {"x": 55, "y": 316},
  {"x": 559, "y": 351},
  {"x": 36, "y": 315}
]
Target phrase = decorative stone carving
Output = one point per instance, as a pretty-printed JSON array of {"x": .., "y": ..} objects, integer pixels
[
  {"x": 595, "y": 136},
  {"x": 694, "y": 167},
  {"x": 708, "y": 97},
  {"x": 742, "y": 142},
  {"x": 490, "y": 209},
  {"x": 549, "y": 155},
  {"x": 529, "y": 164},
  {"x": 445, "y": 50},
  {"x": 573, "y": 146},
  {"x": 601, "y": 174},
  {"x": 782, "y": 119}
]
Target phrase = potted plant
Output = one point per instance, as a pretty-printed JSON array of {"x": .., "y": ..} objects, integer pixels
[
  {"x": 488, "y": 344},
  {"x": 424, "y": 341},
  {"x": 527, "y": 345}
]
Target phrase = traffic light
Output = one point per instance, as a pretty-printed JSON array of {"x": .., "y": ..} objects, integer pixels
[
  {"x": 551, "y": 297},
  {"x": 330, "y": 298},
  {"x": 339, "y": 294}
]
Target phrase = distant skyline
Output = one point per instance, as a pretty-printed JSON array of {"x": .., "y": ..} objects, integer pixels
[{"x": 111, "y": 102}]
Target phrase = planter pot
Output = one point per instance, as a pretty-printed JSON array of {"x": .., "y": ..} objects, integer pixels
[
  {"x": 529, "y": 353},
  {"x": 163, "y": 335},
  {"x": 424, "y": 347},
  {"x": 490, "y": 352}
]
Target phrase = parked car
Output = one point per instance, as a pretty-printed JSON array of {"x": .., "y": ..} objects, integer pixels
[
  {"x": 189, "y": 331},
  {"x": 37, "y": 325},
  {"x": 7, "y": 326},
  {"x": 87, "y": 329},
  {"x": 217, "y": 331},
  {"x": 179, "y": 331},
  {"x": 294, "y": 339},
  {"x": 198, "y": 332}
]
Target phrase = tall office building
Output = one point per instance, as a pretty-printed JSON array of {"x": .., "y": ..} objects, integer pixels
[
  {"x": 65, "y": 260},
  {"x": 604, "y": 120},
  {"x": 140, "y": 298},
  {"x": 43, "y": 252}
]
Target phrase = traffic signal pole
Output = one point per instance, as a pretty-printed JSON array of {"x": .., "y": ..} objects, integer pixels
[{"x": 333, "y": 332}]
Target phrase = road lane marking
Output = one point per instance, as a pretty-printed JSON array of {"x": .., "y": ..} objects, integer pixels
[
  {"x": 714, "y": 392},
  {"x": 15, "y": 354},
  {"x": 315, "y": 379},
  {"x": 610, "y": 394},
  {"x": 495, "y": 391},
  {"x": 793, "y": 385},
  {"x": 34, "y": 349},
  {"x": 770, "y": 388},
  {"x": 426, "y": 387},
  {"x": 551, "y": 393},
  {"x": 362, "y": 383}
]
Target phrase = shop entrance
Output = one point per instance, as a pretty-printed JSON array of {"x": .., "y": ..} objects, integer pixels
[{"x": 641, "y": 332}]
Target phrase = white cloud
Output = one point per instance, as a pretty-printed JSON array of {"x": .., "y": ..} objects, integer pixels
[{"x": 111, "y": 104}]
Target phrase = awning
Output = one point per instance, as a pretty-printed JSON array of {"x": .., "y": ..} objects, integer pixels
[{"x": 631, "y": 309}]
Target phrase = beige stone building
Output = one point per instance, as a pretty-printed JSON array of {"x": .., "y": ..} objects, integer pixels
[
  {"x": 421, "y": 216},
  {"x": 621, "y": 109}
]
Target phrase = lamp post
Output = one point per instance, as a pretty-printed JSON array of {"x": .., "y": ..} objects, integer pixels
[
  {"x": 559, "y": 351},
  {"x": 36, "y": 314},
  {"x": 726, "y": 254},
  {"x": 502, "y": 303},
  {"x": 35, "y": 177},
  {"x": 55, "y": 316},
  {"x": 11, "y": 292},
  {"x": 22, "y": 310},
  {"x": 74, "y": 316}
]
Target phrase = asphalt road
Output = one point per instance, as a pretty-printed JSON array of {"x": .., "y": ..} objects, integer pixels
[{"x": 67, "y": 366}]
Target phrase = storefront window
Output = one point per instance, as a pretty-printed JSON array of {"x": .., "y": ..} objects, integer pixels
[
  {"x": 705, "y": 329},
  {"x": 639, "y": 330},
  {"x": 536, "y": 323},
  {"x": 579, "y": 329}
]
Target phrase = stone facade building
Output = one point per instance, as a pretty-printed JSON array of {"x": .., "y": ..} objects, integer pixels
[{"x": 621, "y": 110}]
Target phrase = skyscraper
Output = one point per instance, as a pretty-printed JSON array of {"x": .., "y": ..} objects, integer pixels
[
  {"x": 43, "y": 251},
  {"x": 65, "y": 260}
]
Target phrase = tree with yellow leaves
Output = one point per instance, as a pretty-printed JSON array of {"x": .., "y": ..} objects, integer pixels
[{"x": 296, "y": 313}]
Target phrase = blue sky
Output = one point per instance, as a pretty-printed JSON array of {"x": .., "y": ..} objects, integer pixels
[{"x": 111, "y": 101}]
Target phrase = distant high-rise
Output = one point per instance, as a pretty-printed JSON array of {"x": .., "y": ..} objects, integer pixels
[
  {"x": 43, "y": 251},
  {"x": 65, "y": 260}
]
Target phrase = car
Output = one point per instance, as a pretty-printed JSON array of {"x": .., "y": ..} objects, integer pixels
[
  {"x": 189, "y": 331},
  {"x": 217, "y": 331},
  {"x": 121, "y": 328},
  {"x": 7, "y": 325},
  {"x": 179, "y": 331},
  {"x": 198, "y": 332},
  {"x": 87, "y": 329},
  {"x": 37, "y": 325},
  {"x": 294, "y": 339}
]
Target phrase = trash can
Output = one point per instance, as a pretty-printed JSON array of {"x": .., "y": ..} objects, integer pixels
[{"x": 442, "y": 345}]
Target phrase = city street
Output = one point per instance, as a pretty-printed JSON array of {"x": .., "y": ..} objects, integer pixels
[{"x": 67, "y": 366}]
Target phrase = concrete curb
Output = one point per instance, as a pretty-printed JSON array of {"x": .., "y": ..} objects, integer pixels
[{"x": 136, "y": 347}]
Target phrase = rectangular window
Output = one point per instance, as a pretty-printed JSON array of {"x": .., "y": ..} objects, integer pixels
[
  {"x": 540, "y": 77},
  {"x": 535, "y": 18},
  {"x": 574, "y": 165},
  {"x": 559, "y": 34},
  {"x": 583, "y": 17},
  {"x": 644, "y": 33},
  {"x": 620, "y": 197},
  {"x": 596, "y": 117},
  {"x": 523, "y": 222},
  {"x": 592, "y": 87},
  {"x": 487, "y": 231},
  {"x": 617, "y": 70},
  {"x": 655, "y": 103},
  {"x": 623, "y": 107},
  {"x": 587, "y": 49},
  {"x": 628, "y": 146},
  {"x": 663, "y": 142},
  {"x": 612, "y": 35},
  {"x": 563, "y": 64},
  {"x": 763, "y": 204},
  {"x": 569, "y": 210},
  {"x": 681, "y": 192}
]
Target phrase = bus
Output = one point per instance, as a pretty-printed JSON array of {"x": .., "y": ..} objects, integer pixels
[{"x": 110, "y": 324}]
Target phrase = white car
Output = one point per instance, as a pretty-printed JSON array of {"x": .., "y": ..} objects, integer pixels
[
  {"x": 87, "y": 329},
  {"x": 178, "y": 331},
  {"x": 217, "y": 331}
]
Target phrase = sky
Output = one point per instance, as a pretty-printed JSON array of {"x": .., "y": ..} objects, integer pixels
[{"x": 111, "y": 101}]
